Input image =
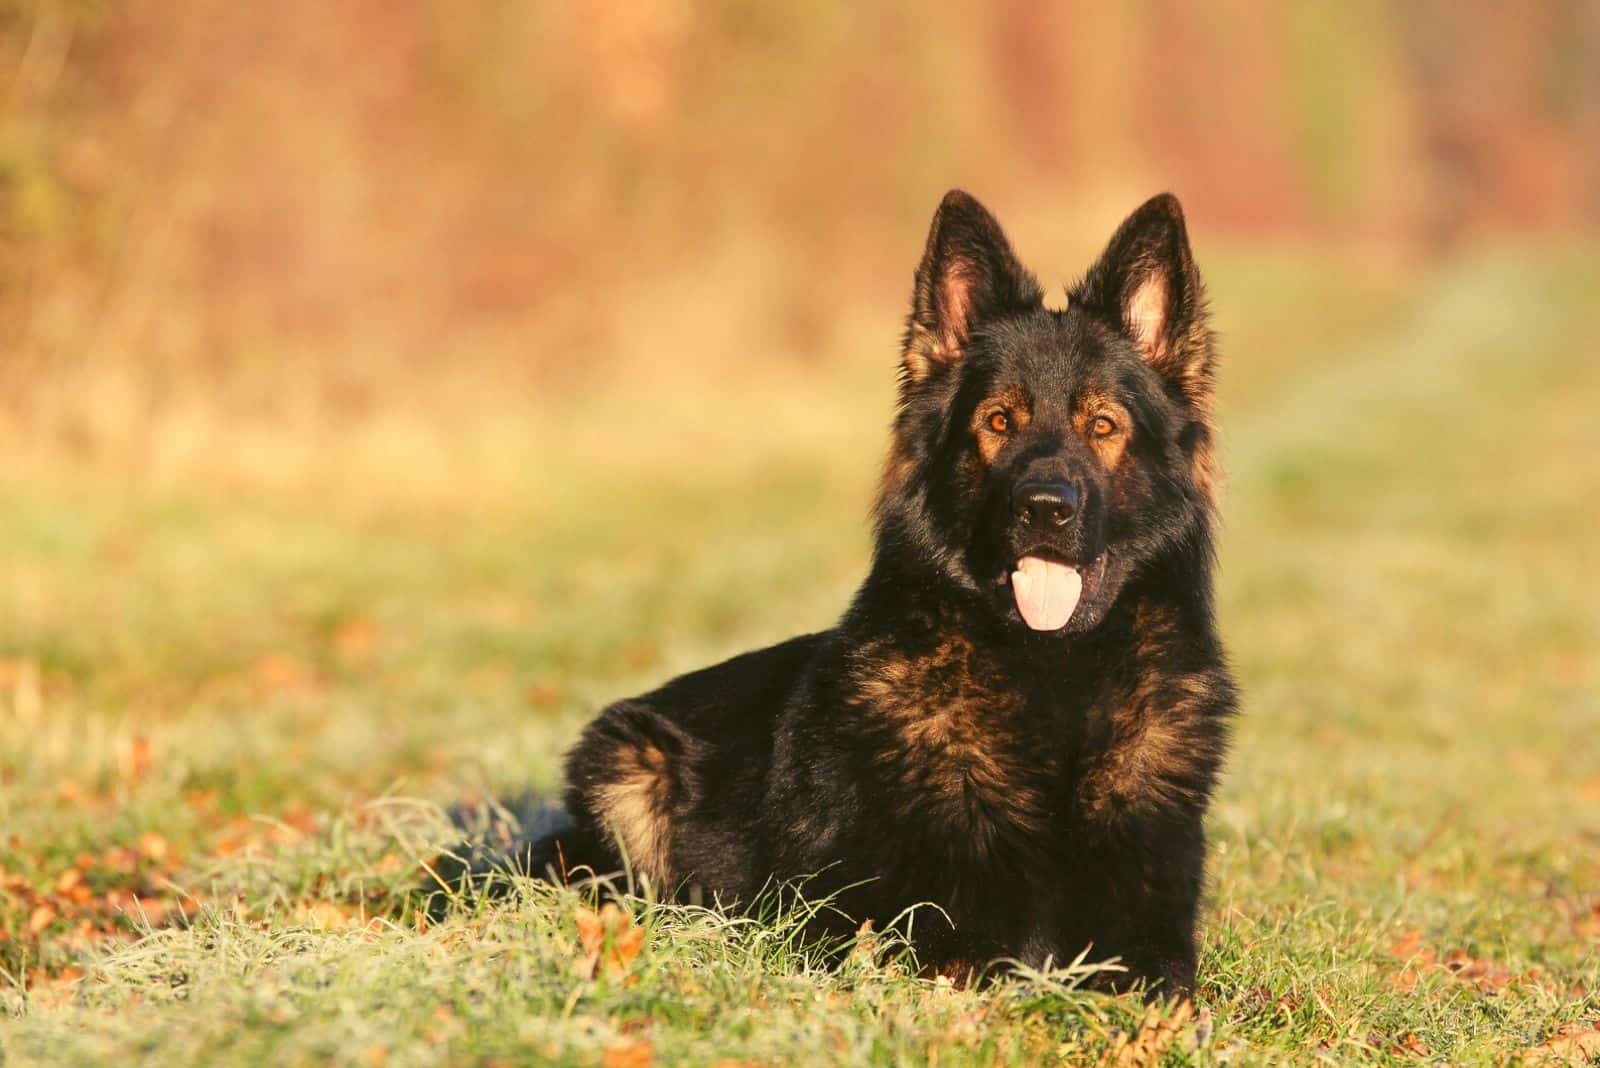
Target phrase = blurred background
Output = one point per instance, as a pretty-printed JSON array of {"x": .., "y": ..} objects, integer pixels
[{"x": 295, "y": 224}]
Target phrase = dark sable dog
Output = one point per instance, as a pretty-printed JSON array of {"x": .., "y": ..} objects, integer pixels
[{"x": 1022, "y": 714}]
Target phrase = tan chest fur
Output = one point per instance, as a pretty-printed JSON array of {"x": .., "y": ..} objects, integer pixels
[{"x": 955, "y": 753}]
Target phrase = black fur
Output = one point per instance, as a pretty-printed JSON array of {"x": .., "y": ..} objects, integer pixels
[{"x": 1046, "y": 789}]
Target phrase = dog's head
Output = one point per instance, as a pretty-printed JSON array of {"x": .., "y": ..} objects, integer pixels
[{"x": 1043, "y": 458}]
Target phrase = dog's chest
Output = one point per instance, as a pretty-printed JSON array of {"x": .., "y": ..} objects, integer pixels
[{"x": 952, "y": 741}]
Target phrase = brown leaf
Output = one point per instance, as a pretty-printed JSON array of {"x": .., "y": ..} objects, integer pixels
[
  {"x": 41, "y": 917},
  {"x": 355, "y": 639},
  {"x": 1486, "y": 975},
  {"x": 545, "y": 693},
  {"x": 242, "y": 835},
  {"x": 610, "y": 941},
  {"x": 1410, "y": 947},
  {"x": 120, "y": 859},
  {"x": 1574, "y": 1044},
  {"x": 280, "y": 673},
  {"x": 390, "y": 863},
  {"x": 1160, "y": 1027},
  {"x": 639, "y": 1054},
  {"x": 153, "y": 909},
  {"x": 865, "y": 949},
  {"x": 1413, "y": 1044},
  {"x": 53, "y": 991},
  {"x": 153, "y": 847},
  {"x": 324, "y": 915},
  {"x": 301, "y": 819}
]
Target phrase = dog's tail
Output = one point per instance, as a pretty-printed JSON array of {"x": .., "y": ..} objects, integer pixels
[{"x": 528, "y": 836}]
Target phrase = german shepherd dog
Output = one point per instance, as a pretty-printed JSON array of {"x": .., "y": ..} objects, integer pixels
[{"x": 1022, "y": 713}]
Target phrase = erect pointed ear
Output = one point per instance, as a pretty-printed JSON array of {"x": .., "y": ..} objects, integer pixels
[
  {"x": 968, "y": 273},
  {"x": 1146, "y": 281}
]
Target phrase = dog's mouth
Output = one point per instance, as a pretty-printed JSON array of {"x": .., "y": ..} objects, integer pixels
[{"x": 1048, "y": 589}]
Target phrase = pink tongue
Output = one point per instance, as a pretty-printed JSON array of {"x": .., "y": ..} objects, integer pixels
[{"x": 1046, "y": 592}]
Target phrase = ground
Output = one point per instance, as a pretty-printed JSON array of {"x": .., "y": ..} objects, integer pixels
[{"x": 235, "y": 695}]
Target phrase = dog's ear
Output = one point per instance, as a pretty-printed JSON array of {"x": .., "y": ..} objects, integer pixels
[
  {"x": 968, "y": 273},
  {"x": 1147, "y": 283}
]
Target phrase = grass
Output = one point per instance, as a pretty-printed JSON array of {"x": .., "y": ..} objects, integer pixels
[{"x": 230, "y": 708}]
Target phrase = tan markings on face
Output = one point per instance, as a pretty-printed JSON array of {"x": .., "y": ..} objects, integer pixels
[
  {"x": 1086, "y": 421},
  {"x": 955, "y": 754},
  {"x": 1160, "y": 734},
  {"x": 1013, "y": 408},
  {"x": 634, "y": 807}
]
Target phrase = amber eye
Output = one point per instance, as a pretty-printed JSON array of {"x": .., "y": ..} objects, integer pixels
[
  {"x": 1102, "y": 427},
  {"x": 1000, "y": 422}
]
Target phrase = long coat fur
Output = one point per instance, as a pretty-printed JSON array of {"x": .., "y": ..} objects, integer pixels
[{"x": 1046, "y": 788}]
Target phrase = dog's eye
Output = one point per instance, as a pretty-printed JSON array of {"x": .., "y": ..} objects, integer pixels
[
  {"x": 999, "y": 422},
  {"x": 1102, "y": 427}
]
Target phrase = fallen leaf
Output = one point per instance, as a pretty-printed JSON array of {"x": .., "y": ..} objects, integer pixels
[
  {"x": 638, "y": 1054},
  {"x": 153, "y": 910},
  {"x": 41, "y": 917},
  {"x": 1158, "y": 1029},
  {"x": 1411, "y": 946},
  {"x": 865, "y": 949},
  {"x": 152, "y": 847},
  {"x": 1486, "y": 975},
  {"x": 301, "y": 818},
  {"x": 390, "y": 863},
  {"x": 1574, "y": 1044},
  {"x": 325, "y": 915},
  {"x": 1412, "y": 1044},
  {"x": 545, "y": 693},
  {"x": 610, "y": 942},
  {"x": 120, "y": 859},
  {"x": 355, "y": 639},
  {"x": 280, "y": 673}
]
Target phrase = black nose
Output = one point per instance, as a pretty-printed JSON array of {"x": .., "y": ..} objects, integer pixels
[{"x": 1045, "y": 504}]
